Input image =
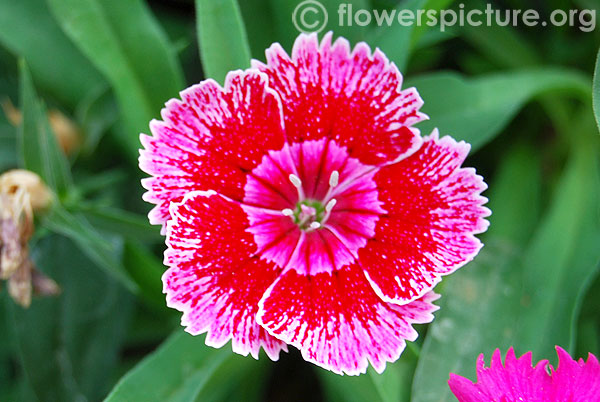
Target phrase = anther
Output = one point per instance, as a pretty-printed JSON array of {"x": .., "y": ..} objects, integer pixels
[
  {"x": 315, "y": 225},
  {"x": 295, "y": 181},
  {"x": 330, "y": 205},
  {"x": 334, "y": 179},
  {"x": 287, "y": 212},
  {"x": 298, "y": 184}
]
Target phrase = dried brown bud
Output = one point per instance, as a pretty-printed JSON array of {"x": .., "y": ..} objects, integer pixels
[
  {"x": 66, "y": 131},
  {"x": 21, "y": 192},
  {"x": 39, "y": 195}
]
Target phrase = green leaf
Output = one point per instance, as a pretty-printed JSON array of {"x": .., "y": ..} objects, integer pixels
[
  {"x": 38, "y": 146},
  {"x": 476, "y": 110},
  {"x": 260, "y": 25},
  {"x": 514, "y": 296},
  {"x": 146, "y": 269},
  {"x": 503, "y": 45},
  {"x": 563, "y": 257},
  {"x": 393, "y": 385},
  {"x": 182, "y": 369},
  {"x": 396, "y": 40},
  {"x": 69, "y": 344},
  {"x": 28, "y": 30},
  {"x": 596, "y": 90},
  {"x": 222, "y": 38},
  {"x": 478, "y": 300},
  {"x": 237, "y": 379},
  {"x": 286, "y": 31},
  {"x": 8, "y": 146},
  {"x": 123, "y": 40},
  {"x": 96, "y": 114},
  {"x": 104, "y": 252},
  {"x": 120, "y": 222}
]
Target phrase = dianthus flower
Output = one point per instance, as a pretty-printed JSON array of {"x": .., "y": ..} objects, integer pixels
[
  {"x": 304, "y": 209},
  {"x": 518, "y": 380}
]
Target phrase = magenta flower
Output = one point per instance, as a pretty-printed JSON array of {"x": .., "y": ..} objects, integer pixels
[
  {"x": 517, "y": 380},
  {"x": 304, "y": 209}
]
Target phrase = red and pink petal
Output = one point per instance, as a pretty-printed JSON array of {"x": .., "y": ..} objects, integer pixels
[
  {"x": 434, "y": 209},
  {"x": 210, "y": 139},
  {"x": 353, "y": 97},
  {"x": 215, "y": 276},
  {"x": 338, "y": 322}
]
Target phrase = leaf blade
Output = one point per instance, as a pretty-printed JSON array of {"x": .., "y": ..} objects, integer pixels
[
  {"x": 596, "y": 91},
  {"x": 222, "y": 38},
  {"x": 194, "y": 370},
  {"x": 476, "y": 110},
  {"x": 144, "y": 73},
  {"x": 38, "y": 146}
]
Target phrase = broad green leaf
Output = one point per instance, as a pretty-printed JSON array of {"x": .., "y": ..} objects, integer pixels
[
  {"x": 28, "y": 30},
  {"x": 393, "y": 385},
  {"x": 424, "y": 27},
  {"x": 563, "y": 257},
  {"x": 466, "y": 325},
  {"x": 237, "y": 379},
  {"x": 100, "y": 249},
  {"x": 69, "y": 344},
  {"x": 476, "y": 110},
  {"x": 182, "y": 369},
  {"x": 222, "y": 38},
  {"x": 596, "y": 90},
  {"x": 397, "y": 40},
  {"x": 502, "y": 45},
  {"x": 259, "y": 22},
  {"x": 38, "y": 145},
  {"x": 123, "y": 40},
  {"x": 333, "y": 13},
  {"x": 511, "y": 295}
]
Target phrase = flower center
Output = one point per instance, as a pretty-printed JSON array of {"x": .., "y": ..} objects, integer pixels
[
  {"x": 311, "y": 214},
  {"x": 311, "y": 206}
]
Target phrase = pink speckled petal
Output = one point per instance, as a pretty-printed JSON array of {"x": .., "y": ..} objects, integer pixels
[
  {"x": 215, "y": 276},
  {"x": 434, "y": 208},
  {"x": 210, "y": 139},
  {"x": 353, "y": 97},
  {"x": 338, "y": 322}
]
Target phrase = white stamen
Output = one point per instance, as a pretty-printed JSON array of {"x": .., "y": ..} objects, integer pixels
[
  {"x": 287, "y": 212},
  {"x": 298, "y": 184},
  {"x": 334, "y": 179},
  {"x": 330, "y": 205},
  {"x": 295, "y": 181},
  {"x": 315, "y": 225}
]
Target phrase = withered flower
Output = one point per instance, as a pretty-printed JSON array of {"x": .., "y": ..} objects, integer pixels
[{"x": 21, "y": 193}]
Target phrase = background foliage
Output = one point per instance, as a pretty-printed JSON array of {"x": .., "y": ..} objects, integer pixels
[{"x": 521, "y": 96}]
